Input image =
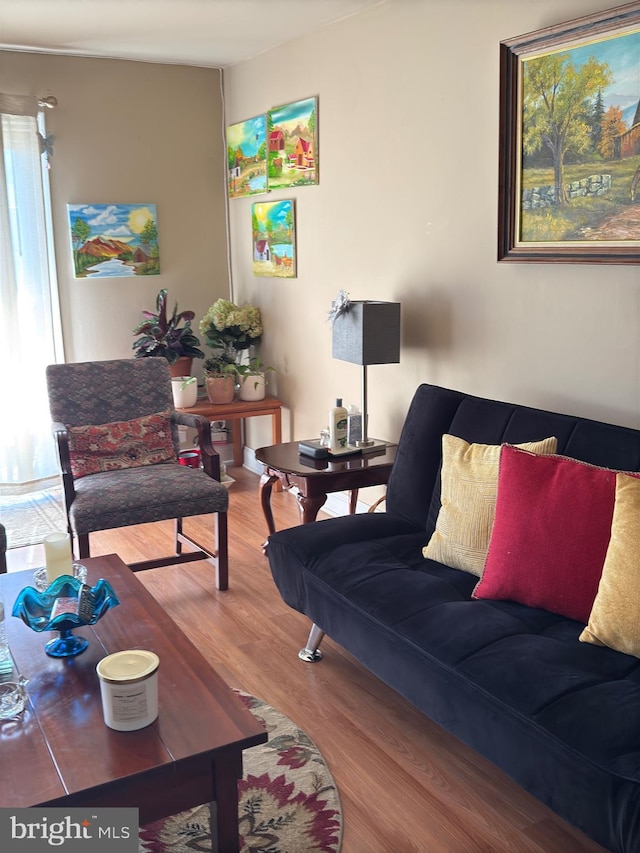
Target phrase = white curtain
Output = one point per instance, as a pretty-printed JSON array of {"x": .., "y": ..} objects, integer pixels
[{"x": 30, "y": 335}]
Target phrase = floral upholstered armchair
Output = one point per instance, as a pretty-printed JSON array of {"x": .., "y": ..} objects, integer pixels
[{"x": 117, "y": 437}]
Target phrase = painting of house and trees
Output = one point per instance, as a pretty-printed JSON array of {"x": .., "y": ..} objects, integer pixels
[
  {"x": 247, "y": 157},
  {"x": 581, "y": 144},
  {"x": 110, "y": 240},
  {"x": 273, "y": 229},
  {"x": 292, "y": 137}
]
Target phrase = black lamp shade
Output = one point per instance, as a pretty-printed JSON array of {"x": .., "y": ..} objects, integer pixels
[{"x": 368, "y": 333}]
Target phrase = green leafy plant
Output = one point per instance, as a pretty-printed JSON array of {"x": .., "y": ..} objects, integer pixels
[
  {"x": 254, "y": 367},
  {"x": 222, "y": 363},
  {"x": 165, "y": 336},
  {"x": 186, "y": 380}
]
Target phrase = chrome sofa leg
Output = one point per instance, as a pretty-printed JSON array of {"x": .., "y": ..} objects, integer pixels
[{"x": 311, "y": 653}]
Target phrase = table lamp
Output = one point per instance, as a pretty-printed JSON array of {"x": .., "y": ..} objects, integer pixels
[{"x": 367, "y": 332}]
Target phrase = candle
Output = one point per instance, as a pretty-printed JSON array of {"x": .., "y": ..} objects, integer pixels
[{"x": 57, "y": 552}]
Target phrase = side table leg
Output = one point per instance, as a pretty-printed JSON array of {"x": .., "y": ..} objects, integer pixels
[
  {"x": 309, "y": 507},
  {"x": 266, "y": 485},
  {"x": 353, "y": 501}
]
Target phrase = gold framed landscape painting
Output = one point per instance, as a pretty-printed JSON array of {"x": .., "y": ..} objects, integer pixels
[
  {"x": 247, "y": 157},
  {"x": 569, "y": 167},
  {"x": 274, "y": 238}
]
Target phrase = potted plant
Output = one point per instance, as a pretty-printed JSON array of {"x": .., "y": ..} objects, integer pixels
[
  {"x": 228, "y": 326},
  {"x": 185, "y": 391},
  {"x": 253, "y": 379},
  {"x": 169, "y": 337},
  {"x": 220, "y": 374},
  {"x": 228, "y": 329}
]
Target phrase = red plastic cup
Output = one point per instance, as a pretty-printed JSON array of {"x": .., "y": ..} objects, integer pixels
[{"x": 191, "y": 458}]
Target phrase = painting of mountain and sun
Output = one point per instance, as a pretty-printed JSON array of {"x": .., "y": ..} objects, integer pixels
[
  {"x": 110, "y": 240},
  {"x": 292, "y": 132},
  {"x": 247, "y": 157},
  {"x": 274, "y": 241}
]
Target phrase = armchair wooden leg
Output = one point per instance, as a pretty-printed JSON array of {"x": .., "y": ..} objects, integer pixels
[
  {"x": 83, "y": 546},
  {"x": 222, "y": 551},
  {"x": 3, "y": 549},
  {"x": 178, "y": 534}
]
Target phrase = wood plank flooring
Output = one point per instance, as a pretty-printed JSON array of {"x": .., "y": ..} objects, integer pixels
[{"x": 406, "y": 785}]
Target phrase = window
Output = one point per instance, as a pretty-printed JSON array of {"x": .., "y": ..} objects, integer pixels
[{"x": 30, "y": 331}]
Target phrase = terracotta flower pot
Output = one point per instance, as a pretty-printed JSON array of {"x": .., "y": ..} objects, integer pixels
[
  {"x": 181, "y": 367},
  {"x": 221, "y": 389}
]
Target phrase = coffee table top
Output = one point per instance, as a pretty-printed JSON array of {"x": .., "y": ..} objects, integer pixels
[
  {"x": 287, "y": 458},
  {"x": 61, "y": 739}
]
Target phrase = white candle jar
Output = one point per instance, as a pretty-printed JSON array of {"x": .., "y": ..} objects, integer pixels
[{"x": 129, "y": 689}]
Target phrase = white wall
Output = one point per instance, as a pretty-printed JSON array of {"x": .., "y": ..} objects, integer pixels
[{"x": 406, "y": 210}]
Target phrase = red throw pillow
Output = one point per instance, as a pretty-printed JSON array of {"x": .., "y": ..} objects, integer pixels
[
  {"x": 551, "y": 532},
  {"x": 122, "y": 444}
]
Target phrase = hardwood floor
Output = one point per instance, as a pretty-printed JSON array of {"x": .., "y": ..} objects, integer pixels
[{"x": 406, "y": 785}]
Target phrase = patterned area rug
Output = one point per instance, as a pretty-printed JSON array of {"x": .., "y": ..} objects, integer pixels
[
  {"x": 289, "y": 802},
  {"x": 29, "y": 518}
]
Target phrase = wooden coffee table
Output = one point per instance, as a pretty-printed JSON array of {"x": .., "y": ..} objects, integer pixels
[{"x": 60, "y": 753}]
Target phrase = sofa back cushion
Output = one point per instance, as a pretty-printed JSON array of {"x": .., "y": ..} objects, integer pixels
[
  {"x": 413, "y": 492},
  {"x": 551, "y": 533},
  {"x": 122, "y": 444},
  {"x": 469, "y": 485},
  {"x": 614, "y": 620}
]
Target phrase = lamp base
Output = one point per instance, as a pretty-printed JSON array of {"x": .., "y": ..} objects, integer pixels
[{"x": 371, "y": 444}]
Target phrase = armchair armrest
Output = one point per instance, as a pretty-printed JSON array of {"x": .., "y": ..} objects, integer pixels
[
  {"x": 61, "y": 437},
  {"x": 208, "y": 453}
]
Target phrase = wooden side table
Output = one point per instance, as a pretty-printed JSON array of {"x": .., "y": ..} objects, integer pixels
[
  {"x": 236, "y": 412},
  {"x": 316, "y": 478}
]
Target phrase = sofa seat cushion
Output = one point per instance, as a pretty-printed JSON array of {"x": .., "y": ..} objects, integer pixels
[{"x": 488, "y": 644}]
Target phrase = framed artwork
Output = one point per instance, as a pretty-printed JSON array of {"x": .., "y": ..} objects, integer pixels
[
  {"x": 292, "y": 139},
  {"x": 247, "y": 157},
  {"x": 569, "y": 170},
  {"x": 274, "y": 238},
  {"x": 112, "y": 240}
]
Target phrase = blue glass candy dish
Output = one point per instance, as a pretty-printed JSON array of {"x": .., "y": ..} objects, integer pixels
[{"x": 67, "y": 603}]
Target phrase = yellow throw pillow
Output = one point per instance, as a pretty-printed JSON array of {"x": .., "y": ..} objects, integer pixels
[
  {"x": 615, "y": 616},
  {"x": 468, "y": 501}
]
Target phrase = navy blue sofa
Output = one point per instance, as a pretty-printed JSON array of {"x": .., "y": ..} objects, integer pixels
[{"x": 560, "y": 717}]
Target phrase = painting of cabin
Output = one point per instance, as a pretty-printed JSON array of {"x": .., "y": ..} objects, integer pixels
[
  {"x": 247, "y": 157},
  {"x": 273, "y": 232},
  {"x": 292, "y": 131},
  {"x": 114, "y": 240}
]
